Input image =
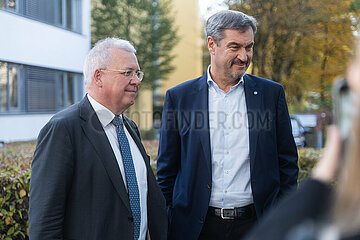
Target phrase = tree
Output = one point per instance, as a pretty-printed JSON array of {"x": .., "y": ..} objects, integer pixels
[
  {"x": 147, "y": 24},
  {"x": 302, "y": 44}
]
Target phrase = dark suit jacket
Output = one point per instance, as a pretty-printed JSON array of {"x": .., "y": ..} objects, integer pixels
[
  {"x": 301, "y": 215},
  {"x": 184, "y": 162},
  {"x": 77, "y": 191},
  {"x": 304, "y": 208}
]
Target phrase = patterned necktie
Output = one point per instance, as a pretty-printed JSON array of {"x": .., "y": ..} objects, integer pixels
[{"x": 132, "y": 185}]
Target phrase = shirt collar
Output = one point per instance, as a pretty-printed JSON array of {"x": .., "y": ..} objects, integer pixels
[
  {"x": 105, "y": 115},
  {"x": 211, "y": 82}
]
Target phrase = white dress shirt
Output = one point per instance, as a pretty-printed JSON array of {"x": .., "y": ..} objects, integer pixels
[
  {"x": 229, "y": 142},
  {"x": 105, "y": 117}
]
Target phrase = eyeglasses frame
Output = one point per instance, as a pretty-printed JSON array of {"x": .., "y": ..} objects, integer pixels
[{"x": 121, "y": 71}]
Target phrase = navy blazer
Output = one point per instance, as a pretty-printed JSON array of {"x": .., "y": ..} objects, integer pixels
[
  {"x": 184, "y": 159},
  {"x": 76, "y": 189}
]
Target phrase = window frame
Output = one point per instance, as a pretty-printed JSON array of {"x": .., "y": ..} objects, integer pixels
[
  {"x": 18, "y": 86},
  {"x": 19, "y": 89},
  {"x": 60, "y": 17},
  {"x": 17, "y": 7},
  {"x": 24, "y": 92},
  {"x": 64, "y": 89}
]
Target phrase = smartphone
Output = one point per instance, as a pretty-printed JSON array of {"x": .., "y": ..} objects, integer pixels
[{"x": 344, "y": 106}]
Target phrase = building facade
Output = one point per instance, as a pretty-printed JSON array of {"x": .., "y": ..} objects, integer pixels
[
  {"x": 188, "y": 51},
  {"x": 146, "y": 111},
  {"x": 43, "y": 45}
]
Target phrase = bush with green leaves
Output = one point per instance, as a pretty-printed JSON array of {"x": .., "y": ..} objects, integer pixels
[
  {"x": 15, "y": 162},
  {"x": 308, "y": 157},
  {"x": 14, "y": 203}
]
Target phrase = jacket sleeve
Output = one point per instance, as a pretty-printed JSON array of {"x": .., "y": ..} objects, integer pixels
[
  {"x": 169, "y": 155},
  {"x": 52, "y": 169},
  {"x": 286, "y": 148}
]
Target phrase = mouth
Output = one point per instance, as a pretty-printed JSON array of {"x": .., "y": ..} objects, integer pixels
[
  {"x": 133, "y": 91},
  {"x": 239, "y": 63}
]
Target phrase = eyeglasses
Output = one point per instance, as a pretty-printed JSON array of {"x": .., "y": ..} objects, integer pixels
[{"x": 127, "y": 73}]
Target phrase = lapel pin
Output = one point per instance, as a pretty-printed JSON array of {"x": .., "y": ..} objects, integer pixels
[{"x": 255, "y": 92}]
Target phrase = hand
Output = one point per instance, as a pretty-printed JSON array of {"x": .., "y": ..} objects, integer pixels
[
  {"x": 353, "y": 72},
  {"x": 353, "y": 76},
  {"x": 327, "y": 167}
]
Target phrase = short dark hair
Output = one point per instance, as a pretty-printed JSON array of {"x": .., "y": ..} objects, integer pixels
[{"x": 228, "y": 19}]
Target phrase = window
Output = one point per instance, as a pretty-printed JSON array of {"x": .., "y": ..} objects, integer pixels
[
  {"x": 69, "y": 14},
  {"x": 49, "y": 11},
  {"x": 61, "y": 93},
  {"x": 62, "y": 13},
  {"x": 10, "y": 75},
  {"x": 40, "y": 89},
  {"x": 3, "y": 87},
  {"x": 13, "y": 88},
  {"x": 10, "y": 5},
  {"x": 35, "y": 89},
  {"x": 51, "y": 90},
  {"x": 70, "y": 89}
]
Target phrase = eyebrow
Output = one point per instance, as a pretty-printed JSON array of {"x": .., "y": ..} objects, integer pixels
[{"x": 239, "y": 45}]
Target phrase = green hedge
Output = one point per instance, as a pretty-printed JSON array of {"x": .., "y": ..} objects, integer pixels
[
  {"x": 15, "y": 161},
  {"x": 308, "y": 157},
  {"x": 14, "y": 203}
]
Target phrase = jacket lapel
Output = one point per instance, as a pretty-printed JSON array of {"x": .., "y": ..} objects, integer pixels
[
  {"x": 137, "y": 140},
  {"x": 253, "y": 97},
  {"x": 96, "y": 135},
  {"x": 203, "y": 107}
]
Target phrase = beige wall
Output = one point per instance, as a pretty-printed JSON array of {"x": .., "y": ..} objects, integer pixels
[
  {"x": 188, "y": 60},
  {"x": 141, "y": 112}
]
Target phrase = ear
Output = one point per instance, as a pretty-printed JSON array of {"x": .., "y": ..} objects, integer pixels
[
  {"x": 97, "y": 77},
  {"x": 211, "y": 45}
]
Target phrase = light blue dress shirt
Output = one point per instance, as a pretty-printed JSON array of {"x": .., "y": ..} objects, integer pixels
[{"x": 229, "y": 142}]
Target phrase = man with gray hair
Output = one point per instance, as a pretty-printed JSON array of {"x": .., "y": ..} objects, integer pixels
[
  {"x": 226, "y": 151},
  {"x": 91, "y": 177}
]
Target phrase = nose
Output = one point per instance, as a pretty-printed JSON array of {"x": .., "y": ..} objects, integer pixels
[
  {"x": 242, "y": 54},
  {"x": 135, "y": 80}
]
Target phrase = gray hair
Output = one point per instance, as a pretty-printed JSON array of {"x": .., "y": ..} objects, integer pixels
[
  {"x": 228, "y": 19},
  {"x": 100, "y": 55}
]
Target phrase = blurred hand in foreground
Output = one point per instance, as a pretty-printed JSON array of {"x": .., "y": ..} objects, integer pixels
[{"x": 327, "y": 167}]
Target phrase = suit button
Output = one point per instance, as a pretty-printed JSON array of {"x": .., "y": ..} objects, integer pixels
[
  {"x": 208, "y": 186},
  {"x": 201, "y": 220},
  {"x": 131, "y": 219}
]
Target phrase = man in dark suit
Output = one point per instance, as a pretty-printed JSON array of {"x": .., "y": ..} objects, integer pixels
[
  {"x": 226, "y": 150},
  {"x": 91, "y": 177}
]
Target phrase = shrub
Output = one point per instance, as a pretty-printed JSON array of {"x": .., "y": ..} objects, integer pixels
[
  {"x": 14, "y": 203},
  {"x": 308, "y": 157},
  {"x": 15, "y": 161},
  {"x": 151, "y": 147},
  {"x": 147, "y": 134}
]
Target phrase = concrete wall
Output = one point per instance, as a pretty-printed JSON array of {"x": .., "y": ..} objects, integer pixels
[
  {"x": 26, "y": 41},
  {"x": 21, "y": 127}
]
